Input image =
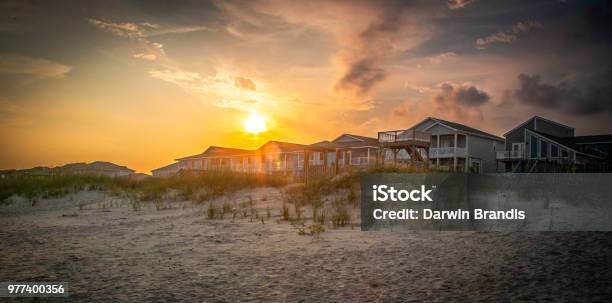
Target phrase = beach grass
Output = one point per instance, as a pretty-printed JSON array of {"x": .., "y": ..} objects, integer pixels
[{"x": 198, "y": 188}]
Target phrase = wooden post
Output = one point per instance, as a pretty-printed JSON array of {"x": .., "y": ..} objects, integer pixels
[
  {"x": 306, "y": 163},
  {"x": 455, "y": 154},
  {"x": 285, "y": 165},
  {"x": 427, "y": 157},
  {"x": 324, "y": 162},
  {"x": 395, "y": 156},
  {"x": 413, "y": 146},
  {"x": 438, "y": 151},
  {"x": 336, "y": 162},
  {"x": 467, "y": 155}
]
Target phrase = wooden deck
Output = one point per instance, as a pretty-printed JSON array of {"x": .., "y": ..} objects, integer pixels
[
  {"x": 411, "y": 140},
  {"x": 402, "y": 138}
]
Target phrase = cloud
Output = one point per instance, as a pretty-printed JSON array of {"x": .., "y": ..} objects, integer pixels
[
  {"x": 245, "y": 83},
  {"x": 460, "y": 101},
  {"x": 229, "y": 90},
  {"x": 148, "y": 57},
  {"x": 8, "y": 107},
  {"x": 150, "y": 25},
  {"x": 508, "y": 36},
  {"x": 227, "y": 103},
  {"x": 40, "y": 68},
  {"x": 363, "y": 66},
  {"x": 122, "y": 29},
  {"x": 138, "y": 31},
  {"x": 596, "y": 98},
  {"x": 361, "y": 38},
  {"x": 361, "y": 75},
  {"x": 180, "y": 30},
  {"x": 437, "y": 59},
  {"x": 457, "y": 4},
  {"x": 184, "y": 79}
]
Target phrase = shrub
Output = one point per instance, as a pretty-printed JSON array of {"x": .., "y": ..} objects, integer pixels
[
  {"x": 211, "y": 212},
  {"x": 285, "y": 212},
  {"x": 312, "y": 230},
  {"x": 227, "y": 207},
  {"x": 340, "y": 217},
  {"x": 199, "y": 188}
]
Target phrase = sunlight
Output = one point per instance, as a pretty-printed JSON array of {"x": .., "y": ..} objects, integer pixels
[{"x": 255, "y": 124}]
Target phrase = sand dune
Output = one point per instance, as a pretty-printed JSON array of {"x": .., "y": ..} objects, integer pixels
[{"x": 109, "y": 252}]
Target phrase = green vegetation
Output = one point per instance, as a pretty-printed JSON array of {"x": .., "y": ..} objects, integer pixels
[
  {"x": 330, "y": 199},
  {"x": 43, "y": 187},
  {"x": 312, "y": 230},
  {"x": 198, "y": 188}
]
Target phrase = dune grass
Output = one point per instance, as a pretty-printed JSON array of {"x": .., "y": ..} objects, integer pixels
[
  {"x": 43, "y": 187},
  {"x": 198, "y": 188}
]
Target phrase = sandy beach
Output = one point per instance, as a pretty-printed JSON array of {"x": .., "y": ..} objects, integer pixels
[{"x": 108, "y": 251}]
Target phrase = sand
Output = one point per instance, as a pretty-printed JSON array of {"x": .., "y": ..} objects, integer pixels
[{"x": 107, "y": 251}]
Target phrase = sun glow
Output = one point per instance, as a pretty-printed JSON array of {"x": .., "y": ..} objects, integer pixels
[{"x": 255, "y": 124}]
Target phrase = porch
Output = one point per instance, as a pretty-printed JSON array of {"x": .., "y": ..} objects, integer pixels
[{"x": 415, "y": 143}]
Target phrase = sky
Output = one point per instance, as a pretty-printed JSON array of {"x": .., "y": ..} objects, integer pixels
[{"x": 141, "y": 83}]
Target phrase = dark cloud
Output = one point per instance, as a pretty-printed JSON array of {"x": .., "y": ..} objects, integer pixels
[
  {"x": 245, "y": 83},
  {"x": 361, "y": 76},
  {"x": 461, "y": 95},
  {"x": 374, "y": 44},
  {"x": 460, "y": 101},
  {"x": 457, "y": 4},
  {"x": 591, "y": 100},
  {"x": 508, "y": 36}
]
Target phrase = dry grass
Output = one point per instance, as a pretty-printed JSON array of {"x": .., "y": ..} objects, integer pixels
[
  {"x": 314, "y": 230},
  {"x": 198, "y": 188}
]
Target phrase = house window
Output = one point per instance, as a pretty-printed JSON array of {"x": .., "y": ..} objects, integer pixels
[
  {"x": 564, "y": 153},
  {"x": 554, "y": 151},
  {"x": 534, "y": 147},
  {"x": 543, "y": 149}
]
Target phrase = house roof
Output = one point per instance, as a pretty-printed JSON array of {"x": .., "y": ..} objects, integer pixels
[
  {"x": 464, "y": 128},
  {"x": 325, "y": 145},
  {"x": 103, "y": 165},
  {"x": 169, "y": 166},
  {"x": 225, "y": 151},
  {"x": 215, "y": 151},
  {"x": 219, "y": 151},
  {"x": 358, "y": 141},
  {"x": 540, "y": 118},
  {"x": 96, "y": 165},
  {"x": 282, "y": 146}
]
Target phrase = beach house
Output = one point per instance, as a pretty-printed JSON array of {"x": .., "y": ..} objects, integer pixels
[
  {"x": 356, "y": 151},
  {"x": 217, "y": 158},
  {"x": 543, "y": 145},
  {"x": 445, "y": 145},
  {"x": 277, "y": 157},
  {"x": 99, "y": 168},
  {"x": 167, "y": 170}
]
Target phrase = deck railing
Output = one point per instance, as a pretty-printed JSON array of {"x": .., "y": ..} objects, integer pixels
[
  {"x": 510, "y": 154},
  {"x": 360, "y": 161},
  {"x": 405, "y": 136},
  {"x": 447, "y": 152}
]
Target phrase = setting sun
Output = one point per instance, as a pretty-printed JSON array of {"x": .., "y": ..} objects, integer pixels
[{"x": 255, "y": 124}]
